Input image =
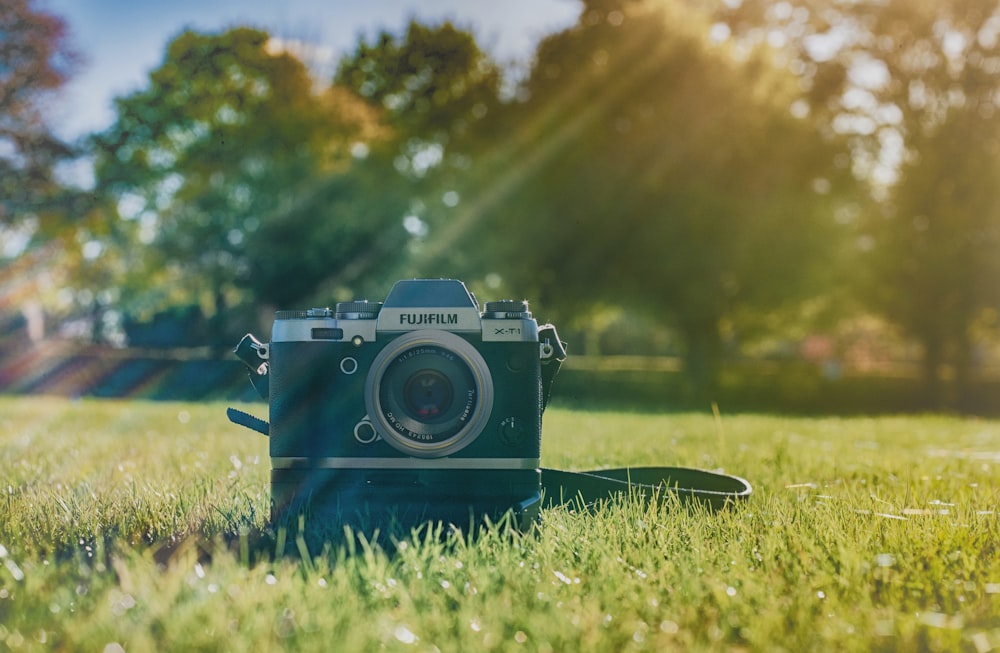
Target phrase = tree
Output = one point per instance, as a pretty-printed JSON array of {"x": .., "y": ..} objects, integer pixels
[
  {"x": 933, "y": 246},
  {"x": 433, "y": 84},
  {"x": 35, "y": 61},
  {"x": 228, "y": 168},
  {"x": 914, "y": 87},
  {"x": 666, "y": 173},
  {"x": 437, "y": 91}
]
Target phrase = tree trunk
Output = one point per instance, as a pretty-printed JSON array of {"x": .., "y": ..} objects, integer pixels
[
  {"x": 702, "y": 359},
  {"x": 218, "y": 325},
  {"x": 933, "y": 390},
  {"x": 962, "y": 390}
]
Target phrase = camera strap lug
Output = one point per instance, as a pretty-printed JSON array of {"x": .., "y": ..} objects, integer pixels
[
  {"x": 255, "y": 355},
  {"x": 552, "y": 352}
]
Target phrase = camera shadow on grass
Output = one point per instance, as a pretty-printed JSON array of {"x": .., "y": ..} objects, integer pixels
[{"x": 307, "y": 533}]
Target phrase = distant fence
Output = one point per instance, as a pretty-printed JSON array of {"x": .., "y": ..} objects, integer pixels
[
  {"x": 614, "y": 383},
  {"x": 70, "y": 370}
]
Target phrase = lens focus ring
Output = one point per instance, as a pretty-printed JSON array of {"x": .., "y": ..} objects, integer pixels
[{"x": 429, "y": 393}]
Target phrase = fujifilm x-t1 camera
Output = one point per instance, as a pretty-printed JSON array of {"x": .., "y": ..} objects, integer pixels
[{"x": 421, "y": 408}]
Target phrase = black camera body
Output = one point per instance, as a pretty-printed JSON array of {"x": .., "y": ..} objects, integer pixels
[{"x": 421, "y": 408}]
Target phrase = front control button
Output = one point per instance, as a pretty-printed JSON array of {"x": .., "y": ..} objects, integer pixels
[{"x": 513, "y": 431}]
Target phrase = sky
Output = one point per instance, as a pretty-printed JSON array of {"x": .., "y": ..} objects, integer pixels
[{"x": 121, "y": 41}]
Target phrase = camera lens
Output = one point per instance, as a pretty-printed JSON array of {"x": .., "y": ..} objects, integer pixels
[{"x": 429, "y": 393}]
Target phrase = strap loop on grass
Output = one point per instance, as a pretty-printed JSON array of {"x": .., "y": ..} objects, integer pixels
[{"x": 714, "y": 489}]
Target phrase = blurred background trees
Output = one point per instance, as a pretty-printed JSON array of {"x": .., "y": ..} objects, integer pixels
[
  {"x": 226, "y": 175},
  {"x": 724, "y": 172},
  {"x": 35, "y": 60},
  {"x": 934, "y": 264},
  {"x": 675, "y": 180},
  {"x": 915, "y": 88},
  {"x": 439, "y": 94}
]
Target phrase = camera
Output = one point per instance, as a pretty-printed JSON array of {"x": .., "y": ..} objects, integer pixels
[{"x": 421, "y": 408}]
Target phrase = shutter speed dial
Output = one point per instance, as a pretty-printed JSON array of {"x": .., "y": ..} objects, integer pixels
[{"x": 512, "y": 309}]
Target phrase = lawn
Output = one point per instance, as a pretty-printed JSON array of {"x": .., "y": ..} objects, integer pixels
[{"x": 142, "y": 526}]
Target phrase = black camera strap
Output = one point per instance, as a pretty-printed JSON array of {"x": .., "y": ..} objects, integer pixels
[
  {"x": 560, "y": 487},
  {"x": 713, "y": 489}
]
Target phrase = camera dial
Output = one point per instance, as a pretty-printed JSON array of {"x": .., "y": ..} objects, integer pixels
[
  {"x": 358, "y": 310},
  {"x": 319, "y": 312},
  {"x": 507, "y": 309}
]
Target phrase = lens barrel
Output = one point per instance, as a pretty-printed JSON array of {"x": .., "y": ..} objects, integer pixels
[{"x": 429, "y": 393}]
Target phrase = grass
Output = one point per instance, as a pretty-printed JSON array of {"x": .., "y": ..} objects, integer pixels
[{"x": 137, "y": 527}]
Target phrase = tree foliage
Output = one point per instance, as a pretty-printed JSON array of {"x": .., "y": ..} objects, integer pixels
[
  {"x": 934, "y": 263},
  {"x": 913, "y": 87},
  {"x": 433, "y": 82},
  {"x": 673, "y": 177},
  {"x": 35, "y": 61},
  {"x": 230, "y": 170},
  {"x": 440, "y": 93}
]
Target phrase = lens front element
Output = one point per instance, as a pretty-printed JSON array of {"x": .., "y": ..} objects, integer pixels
[{"x": 429, "y": 393}]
